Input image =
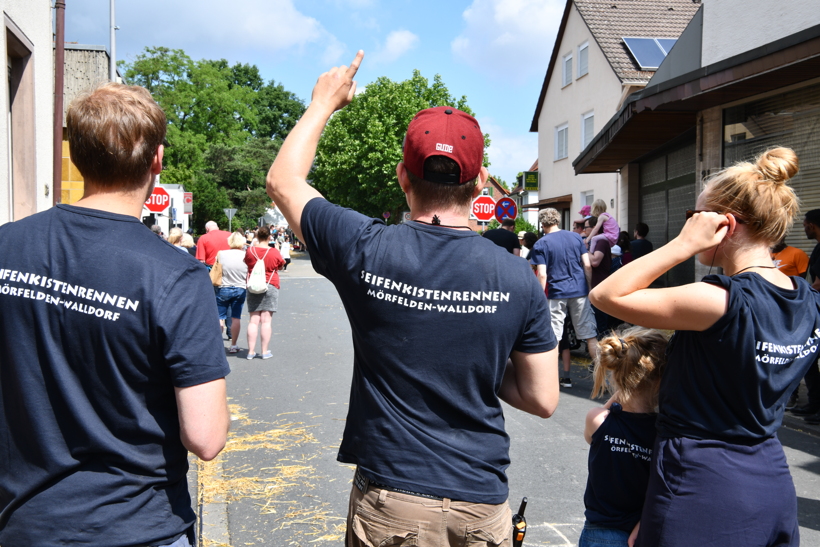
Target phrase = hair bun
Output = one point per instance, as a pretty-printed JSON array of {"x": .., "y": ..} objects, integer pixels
[{"x": 778, "y": 164}]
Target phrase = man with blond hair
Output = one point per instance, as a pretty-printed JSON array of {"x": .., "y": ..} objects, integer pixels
[
  {"x": 425, "y": 426},
  {"x": 111, "y": 360},
  {"x": 565, "y": 272}
]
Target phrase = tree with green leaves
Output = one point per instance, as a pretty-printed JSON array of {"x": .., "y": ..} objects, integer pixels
[
  {"x": 356, "y": 158},
  {"x": 201, "y": 100},
  {"x": 521, "y": 225},
  {"x": 225, "y": 126}
]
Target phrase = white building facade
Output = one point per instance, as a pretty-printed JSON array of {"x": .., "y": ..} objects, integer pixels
[
  {"x": 27, "y": 91},
  {"x": 590, "y": 75}
]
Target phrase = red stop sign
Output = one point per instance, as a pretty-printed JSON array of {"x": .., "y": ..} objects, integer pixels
[
  {"x": 158, "y": 201},
  {"x": 484, "y": 208}
]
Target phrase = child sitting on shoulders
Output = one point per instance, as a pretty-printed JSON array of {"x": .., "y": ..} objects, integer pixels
[
  {"x": 621, "y": 434},
  {"x": 606, "y": 225}
]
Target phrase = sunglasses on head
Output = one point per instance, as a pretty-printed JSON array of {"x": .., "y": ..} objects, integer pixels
[{"x": 691, "y": 212}]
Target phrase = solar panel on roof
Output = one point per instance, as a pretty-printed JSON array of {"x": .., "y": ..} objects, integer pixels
[
  {"x": 649, "y": 53},
  {"x": 666, "y": 44}
]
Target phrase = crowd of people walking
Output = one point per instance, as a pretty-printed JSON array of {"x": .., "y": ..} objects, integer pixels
[
  {"x": 716, "y": 396},
  {"x": 445, "y": 325}
]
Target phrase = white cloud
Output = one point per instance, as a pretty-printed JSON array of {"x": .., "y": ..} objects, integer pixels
[
  {"x": 275, "y": 28},
  {"x": 357, "y": 4},
  {"x": 273, "y": 24},
  {"x": 508, "y": 153},
  {"x": 397, "y": 44},
  {"x": 510, "y": 39},
  {"x": 333, "y": 52}
]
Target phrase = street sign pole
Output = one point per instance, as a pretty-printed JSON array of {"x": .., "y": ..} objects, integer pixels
[{"x": 230, "y": 213}]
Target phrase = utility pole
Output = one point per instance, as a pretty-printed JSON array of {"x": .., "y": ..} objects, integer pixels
[
  {"x": 112, "y": 69},
  {"x": 59, "y": 74}
]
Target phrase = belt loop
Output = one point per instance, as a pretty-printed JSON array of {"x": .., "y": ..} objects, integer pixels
[
  {"x": 445, "y": 505},
  {"x": 382, "y": 496}
]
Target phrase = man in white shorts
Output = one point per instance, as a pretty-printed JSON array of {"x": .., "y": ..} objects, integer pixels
[{"x": 564, "y": 270}]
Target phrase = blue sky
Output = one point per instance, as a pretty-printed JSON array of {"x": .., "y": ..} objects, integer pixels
[{"x": 493, "y": 51}]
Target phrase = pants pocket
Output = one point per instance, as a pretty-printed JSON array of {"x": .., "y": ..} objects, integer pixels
[
  {"x": 374, "y": 530},
  {"x": 495, "y": 531}
]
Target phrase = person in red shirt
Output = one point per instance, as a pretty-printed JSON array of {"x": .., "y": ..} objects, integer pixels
[
  {"x": 212, "y": 242},
  {"x": 261, "y": 307}
]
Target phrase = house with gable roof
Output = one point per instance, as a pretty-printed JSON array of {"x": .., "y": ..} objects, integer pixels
[
  {"x": 604, "y": 51},
  {"x": 722, "y": 95}
]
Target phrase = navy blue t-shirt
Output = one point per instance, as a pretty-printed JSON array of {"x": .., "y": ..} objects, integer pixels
[
  {"x": 640, "y": 247},
  {"x": 619, "y": 462},
  {"x": 503, "y": 238},
  {"x": 100, "y": 320},
  {"x": 561, "y": 253},
  {"x": 731, "y": 381},
  {"x": 435, "y": 313}
]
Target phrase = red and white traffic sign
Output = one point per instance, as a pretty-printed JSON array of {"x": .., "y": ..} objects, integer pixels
[
  {"x": 505, "y": 208},
  {"x": 188, "y": 203},
  {"x": 483, "y": 208},
  {"x": 158, "y": 201}
]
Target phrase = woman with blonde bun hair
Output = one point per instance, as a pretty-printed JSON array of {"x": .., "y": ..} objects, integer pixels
[
  {"x": 743, "y": 341},
  {"x": 621, "y": 434}
]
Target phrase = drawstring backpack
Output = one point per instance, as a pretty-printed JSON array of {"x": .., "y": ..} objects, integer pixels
[{"x": 257, "y": 284}]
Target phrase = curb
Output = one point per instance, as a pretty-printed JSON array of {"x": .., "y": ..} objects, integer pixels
[{"x": 212, "y": 518}]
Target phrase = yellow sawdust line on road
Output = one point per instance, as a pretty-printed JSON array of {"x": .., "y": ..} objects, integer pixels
[{"x": 269, "y": 484}]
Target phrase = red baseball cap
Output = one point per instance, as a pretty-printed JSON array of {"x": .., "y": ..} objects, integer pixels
[{"x": 444, "y": 131}]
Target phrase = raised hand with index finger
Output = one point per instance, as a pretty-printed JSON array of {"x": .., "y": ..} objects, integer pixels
[{"x": 335, "y": 88}]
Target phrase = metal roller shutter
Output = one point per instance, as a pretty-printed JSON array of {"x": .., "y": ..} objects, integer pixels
[
  {"x": 790, "y": 119},
  {"x": 667, "y": 191}
]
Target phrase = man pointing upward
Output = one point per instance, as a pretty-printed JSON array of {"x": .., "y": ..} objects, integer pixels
[{"x": 442, "y": 328}]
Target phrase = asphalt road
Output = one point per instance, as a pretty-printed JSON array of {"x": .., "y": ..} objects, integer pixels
[{"x": 280, "y": 484}]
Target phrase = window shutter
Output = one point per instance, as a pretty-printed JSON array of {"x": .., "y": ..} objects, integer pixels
[
  {"x": 561, "y": 143},
  {"x": 568, "y": 70},
  {"x": 583, "y": 60},
  {"x": 589, "y": 129}
]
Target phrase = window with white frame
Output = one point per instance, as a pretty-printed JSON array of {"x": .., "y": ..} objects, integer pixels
[
  {"x": 587, "y": 198},
  {"x": 567, "y": 70},
  {"x": 583, "y": 59},
  {"x": 587, "y": 128},
  {"x": 561, "y": 141}
]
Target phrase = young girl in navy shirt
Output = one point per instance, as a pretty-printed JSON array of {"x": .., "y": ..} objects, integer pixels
[
  {"x": 744, "y": 339},
  {"x": 621, "y": 434}
]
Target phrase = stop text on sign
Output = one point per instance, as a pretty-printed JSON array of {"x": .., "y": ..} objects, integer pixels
[
  {"x": 483, "y": 208},
  {"x": 158, "y": 201}
]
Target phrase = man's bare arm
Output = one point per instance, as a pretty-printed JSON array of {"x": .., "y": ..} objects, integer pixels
[
  {"x": 587, "y": 268},
  {"x": 541, "y": 273},
  {"x": 596, "y": 258},
  {"x": 204, "y": 418},
  {"x": 531, "y": 382},
  {"x": 287, "y": 178}
]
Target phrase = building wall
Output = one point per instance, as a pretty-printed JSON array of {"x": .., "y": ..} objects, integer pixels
[
  {"x": 781, "y": 19},
  {"x": 598, "y": 91},
  {"x": 26, "y": 155},
  {"x": 73, "y": 185},
  {"x": 85, "y": 68}
]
